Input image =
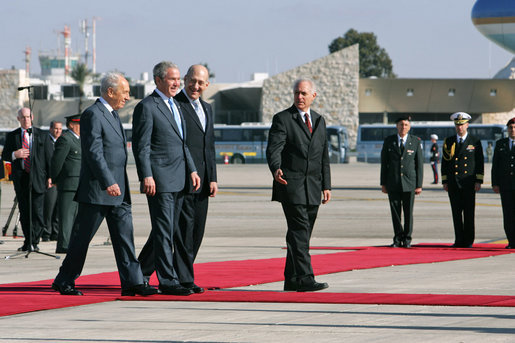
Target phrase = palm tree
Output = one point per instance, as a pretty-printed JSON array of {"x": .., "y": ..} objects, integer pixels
[{"x": 80, "y": 74}]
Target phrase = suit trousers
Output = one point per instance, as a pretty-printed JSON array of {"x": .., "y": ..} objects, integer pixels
[
  {"x": 51, "y": 229},
  {"x": 188, "y": 236},
  {"x": 463, "y": 203},
  {"x": 508, "y": 211},
  {"x": 119, "y": 223},
  {"x": 402, "y": 202},
  {"x": 300, "y": 220},
  {"x": 157, "y": 253},
  {"x": 67, "y": 213},
  {"x": 26, "y": 198},
  {"x": 434, "y": 167}
]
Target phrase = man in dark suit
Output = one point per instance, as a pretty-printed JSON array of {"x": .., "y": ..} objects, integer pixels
[
  {"x": 25, "y": 149},
  {"x": 163, "y": 162},
  {"x": 200, "y": 140},
  {"x": 50, "y": 210},
  {"x": 462, "y": 176},
  {"x": 65, "y": 172},
  {"x": 103, "y": 192},
  {"x": 402, "y": 171},
  {"x": 298, "y": 158},
  {"x": 503, "y": 180}
]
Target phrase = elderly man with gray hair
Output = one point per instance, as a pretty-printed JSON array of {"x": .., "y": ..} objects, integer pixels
[{"x": 103, "y": 192}]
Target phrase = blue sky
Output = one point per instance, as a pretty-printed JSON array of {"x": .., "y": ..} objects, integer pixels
[{"x": 424, "y": 38}]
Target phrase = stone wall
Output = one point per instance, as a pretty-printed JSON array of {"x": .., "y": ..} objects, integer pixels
[
  {"x": 11, "y": 100},
  {"x": 337, "y": 79}
]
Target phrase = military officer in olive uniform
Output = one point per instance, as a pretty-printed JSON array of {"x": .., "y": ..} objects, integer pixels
[
  {"x": 462, "y": 176},
  {"x": 402, "y": 171},
  {"x": 503, "y": 180},
  {"x": 65, "y": 171}
]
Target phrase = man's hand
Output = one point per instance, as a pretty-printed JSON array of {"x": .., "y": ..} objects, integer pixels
[
  {"x": 195, "y": 180},
  {"x": 113, "y": 190},
  {"x": 418, "y": 190},
  {"x": 49, "y": 183},
  {"x": 477, "y": 186},
  {"x": 496, "y": 189},
  {"x": 148, "y": 186},
  {"x": 278, "y": 176},
  {"x": 383, "y": 189},
  {"x": 327, "y": 196},
  {"x": 213, "y": 189},
  {"x": 22, "y": 153}
]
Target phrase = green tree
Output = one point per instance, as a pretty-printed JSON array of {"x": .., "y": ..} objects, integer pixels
[
  {"x": 373, "y": 60},
  {"x": 80, "y": 74}
]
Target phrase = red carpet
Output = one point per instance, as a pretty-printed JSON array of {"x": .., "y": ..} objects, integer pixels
[{"x": 34, "y": 296}]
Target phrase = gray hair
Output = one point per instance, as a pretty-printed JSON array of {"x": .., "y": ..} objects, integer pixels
[
  {"x": 110, "y": 80},
  {"x": 311, "y": 82},
  {"x": 161, "y": 68}
]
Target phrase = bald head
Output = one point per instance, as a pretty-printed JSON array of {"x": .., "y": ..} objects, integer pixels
[
  {"x": 196, "y": 81},
  {"x": 25, "y": 118}
]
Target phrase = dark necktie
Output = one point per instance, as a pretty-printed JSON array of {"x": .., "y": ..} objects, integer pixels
[
  {"x": 308, "y": 123},
  {"x": 513, "y": 146},
  {"x": 117, "y": 118},
  {"x": 26, "y": 145},
  {"x": 401, "y": 146}
]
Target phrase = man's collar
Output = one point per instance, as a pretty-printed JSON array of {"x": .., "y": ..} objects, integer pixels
[
  {"x": 162, "y": 95},
  {"x": 106, "y": 104}
]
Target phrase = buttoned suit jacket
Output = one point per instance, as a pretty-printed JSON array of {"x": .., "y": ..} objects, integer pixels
[
  {"x": 503, "y": 165},
  {"x": 104, "y": 158},
  {"x": 462, "y": 167},
  {"x": 200, "y": 142},
  {"x": 402, "y": 172},
  {"x": 158, "y": 148},
  {"x": 303, "y": 157},
  {"x": 38, "y": 158},
  {"x": 66, "y": 162}
]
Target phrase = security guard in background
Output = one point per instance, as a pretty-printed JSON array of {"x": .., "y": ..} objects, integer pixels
[
  {"x": 462, "y": 176},
  {"x": 503, "y": 180},
  {"x": 65, "y": 172}
]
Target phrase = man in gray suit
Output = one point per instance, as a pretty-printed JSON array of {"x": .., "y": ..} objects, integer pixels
[
  {"x": 402, "y": 172},
  {"x": 104, "y": 192},
  {"x": 163, "y": 162},
  {"x": 299, "y": 161}
]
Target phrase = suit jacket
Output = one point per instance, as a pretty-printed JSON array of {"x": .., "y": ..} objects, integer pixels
[
  {"x": 65, "y": 166},
  {"x": 200, "y": 143},
  {"x": 104, "y": 157},
  {"x": 462, "y": 167},
  {"x": 158, "y": 148},
  {"x": 402, "y": 172},
  {"x": 49, "y": 150},
  {"x": 303, "y": 157},
  {"x": 503, "y": 165},
  {"x": 38, "y": 158}
]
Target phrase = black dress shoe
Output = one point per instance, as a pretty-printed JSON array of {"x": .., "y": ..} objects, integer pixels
[
  {"x": 508, "y": 247},
  {"x": 35, "y": 247},
  {"x": 144, "y": 289},
  {"x": 175, "y": 290},
  {"x": 193, "y": 287},
  {"x": 315, "y": 286},
  {"x": 395, "y": 245},
  {"x": 23, "y": 248},
  {"x": 45, "y": 239},
  {"x": 290, "y": 286},
  {"x": 406, "y": 245},
  {"x": 66, "y": 290}
]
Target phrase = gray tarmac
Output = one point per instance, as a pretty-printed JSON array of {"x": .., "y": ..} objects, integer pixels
[{"x": 244, "y": 224}]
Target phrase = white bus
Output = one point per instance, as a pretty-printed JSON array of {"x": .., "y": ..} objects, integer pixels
[
  {"x": 371, "y": 137},
  {"x": 247, "y": 143}
]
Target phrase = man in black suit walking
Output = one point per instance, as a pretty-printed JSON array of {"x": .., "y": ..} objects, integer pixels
[
  {"x": 200, "y": 140},
  {"x": 503, "y": 180},
  {"x": 462, "y": 176},
  {"x": 402, "y": 171},
  {"x": 163, "y": 162},
  {"x": 103, "y": 192},
  {"x": 25, "y": 149},
  {"x": 298, "y": 158},
  {"x": 50, "y": 210}
]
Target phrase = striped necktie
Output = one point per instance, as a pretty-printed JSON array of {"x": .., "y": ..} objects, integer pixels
[{"x": 26, "y": 145}]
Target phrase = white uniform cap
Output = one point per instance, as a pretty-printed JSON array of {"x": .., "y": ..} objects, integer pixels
[
  {"x": 433, "y": 136},
  {"x": 460, "y": 118}
]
